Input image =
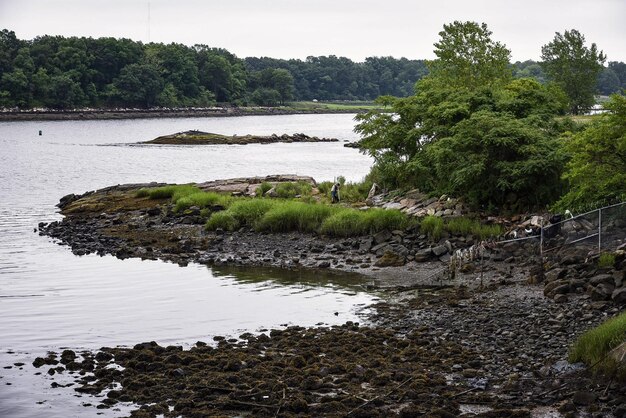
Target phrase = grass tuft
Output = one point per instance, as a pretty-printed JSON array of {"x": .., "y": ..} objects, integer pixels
[
  {"x": 224, "y": 220},
  {"x": 606, "y": 260},
  {"x": 593, "y": 346}
]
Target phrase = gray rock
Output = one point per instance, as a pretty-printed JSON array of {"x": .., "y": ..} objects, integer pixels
[
  {"x": 382, "y": 236},
  {"x": 439, "y": 250},
  {"x": 602, "y": 279},
  {"x": 619, "y": 296},
  {"x": 602, "y": 291},
  {"x": 423, "y": 255},
  {"x": 584, "y": 398}
]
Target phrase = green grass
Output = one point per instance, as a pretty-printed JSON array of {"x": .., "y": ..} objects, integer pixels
[
  {"x": 277, "y": 215},
  {"x": 606, "y": 260},
  {"x": 290, "y": 189},
  {"x": 355, "y": 105},
  {"x": 174, "y": 191},
  {"x": 434, "y": 226},
  {"x": 593, "y": 346},
  {"x": 201, "y": 200},
  {"x": 286, "y": 216},
  {"x": 348, "y": 192},
  {"x": 264, "y": 188}
]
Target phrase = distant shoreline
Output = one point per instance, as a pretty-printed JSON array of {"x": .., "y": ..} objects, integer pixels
[{"x": 105, "y": 114}]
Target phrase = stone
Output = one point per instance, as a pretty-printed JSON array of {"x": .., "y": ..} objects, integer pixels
[
  {"x": 390, "y": 259},
  {"x": 602, "y": 279},
  {"x": 422, "y": 255},
  {"x": 602, "y": 291},
  {"x": 560, "y": 298},
  {"x": 619, "y": 296},
  {"x": 439, "y": 250},
  {"x": 555, "y": 274},
  {"x": 324, "y": 265},
  {"x": 382, "y": 236},
  {"x": 584, "y": 398}
]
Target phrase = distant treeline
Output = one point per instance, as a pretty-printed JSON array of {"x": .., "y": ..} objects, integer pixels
[{"x": 59, "y": 72}]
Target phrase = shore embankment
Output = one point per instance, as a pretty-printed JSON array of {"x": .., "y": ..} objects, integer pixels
[
  {"x": 107, "y": 114},
  {"x": 485, "y": 342}
]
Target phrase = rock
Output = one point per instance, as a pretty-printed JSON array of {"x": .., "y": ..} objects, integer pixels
[
  {"x": 602, "y": 291},
  {"x": 602, "y": 279},
  {"x": 423, "y": 255},
  {"x": 560, "y": 298},
  {"x": 68, "y": 356},
  {"x": 382, "y": 236},
  {"x": 390, "y": 259},
  {"x": 440, "y": 250},
  {"x": 555, "y": 274},
  {"x": 584, "y": 398},
  {"x": 619, "y": 296},
  {"x": 323, "y": 265}
]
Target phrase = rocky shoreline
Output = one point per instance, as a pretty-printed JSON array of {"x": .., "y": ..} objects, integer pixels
[
  {"x": 206, "y": 138},
  {"x": 436, "y": 345},
  {"x": 109, "y": 114}
]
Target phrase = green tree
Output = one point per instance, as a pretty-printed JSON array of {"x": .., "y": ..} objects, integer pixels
[
  {"x": 473, "y": 132},
  {"x": 608, "y": 82},
  {"x": 138, "y": 85},
  {"x": 597, "y": 169},
  {"x": 283, "y": 84},
  {"x": 573, "y": 66},
  {"x": 468, "y": 57}
]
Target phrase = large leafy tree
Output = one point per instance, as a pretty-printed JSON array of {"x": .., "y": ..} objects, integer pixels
[
  {"x": 468, "y": 57},
  {"x": 470, "y": 129},
  {"x": 597, "y": 169},
  {"x": 575, "y": 67}
]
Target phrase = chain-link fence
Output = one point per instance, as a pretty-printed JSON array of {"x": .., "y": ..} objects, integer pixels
[{"x": 596, "y": 231}]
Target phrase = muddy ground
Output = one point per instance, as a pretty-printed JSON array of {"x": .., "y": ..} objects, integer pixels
[{"x": 432, "y": 347}]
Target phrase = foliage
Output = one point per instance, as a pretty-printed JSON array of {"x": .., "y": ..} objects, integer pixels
[
  {"x": 286, "y": 216},
  {"x": 574, "y": 67},
  {"x": 59, "y": 72},
  {"x": 594, "y": 345},
  {"x": 349, "y": 222},
  {"x": 434, "y": 227},
  {"x": 597, "y": 168},
  {"x": 264, "y": 188},
  {"x": 350, "y": 192},
  {"x": 606, "y": 260},
  {"x": 222, "y": 220},
  {"x": 467, "y": 57},
  {"x": 470, "y": 129}
]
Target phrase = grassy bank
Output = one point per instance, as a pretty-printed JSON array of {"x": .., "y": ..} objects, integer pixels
[
  {"x": 357, "y": 106},
  {"x": 434, "y": 227},
  {"x": 594, "y": 346}
]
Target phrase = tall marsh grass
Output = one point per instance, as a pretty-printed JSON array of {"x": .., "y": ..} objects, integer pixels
[
  {"x": 434, "y": 227},
  {"x": 593, "y": 346}
]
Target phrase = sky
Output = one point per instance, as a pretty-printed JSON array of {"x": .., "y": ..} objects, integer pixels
[{"x": 299, "y": 28}]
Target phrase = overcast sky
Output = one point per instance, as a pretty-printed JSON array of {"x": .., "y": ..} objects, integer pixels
[{"x": 299, "y": 28}]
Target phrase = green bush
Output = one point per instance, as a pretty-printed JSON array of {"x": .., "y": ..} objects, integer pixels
[
  {"x": 594, "y": 345},
  {"x": 224, "y": 220},
  {"x": 466, "y": 226},
  {"x": 380, "y": 219}
]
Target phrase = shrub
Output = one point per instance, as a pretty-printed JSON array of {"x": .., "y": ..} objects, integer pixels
[
  {"x": 594, "y": 345},
  {"x": 224, "y": 220}
]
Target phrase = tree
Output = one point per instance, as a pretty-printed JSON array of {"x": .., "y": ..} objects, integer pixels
[
  {"x": 283, "y": 84},
  {"x": 138, "y": 85},
  {"x": 468, "y": 57},
  {"x": 596, "y": 171},
  {"x": 470, "y": 130},
  {"x": 573, "y": 66},
  {"x": 608, "y": 82}
]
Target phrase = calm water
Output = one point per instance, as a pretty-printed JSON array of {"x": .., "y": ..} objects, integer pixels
[{"x": 50, "y": 298}]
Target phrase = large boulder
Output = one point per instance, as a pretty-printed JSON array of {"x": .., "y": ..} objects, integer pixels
[
  {"x": 390, "y": 259},
  {"x": 619, "y": 296},
  {"x": 603, "y": 291}
]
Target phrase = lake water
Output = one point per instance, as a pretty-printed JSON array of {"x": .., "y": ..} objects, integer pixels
[{"x": 51, "y": 299}]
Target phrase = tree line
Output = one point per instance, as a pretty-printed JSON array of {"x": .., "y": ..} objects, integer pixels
[{"x": 73, "y": 72}]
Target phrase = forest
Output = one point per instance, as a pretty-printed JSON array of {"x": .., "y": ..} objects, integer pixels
[{"x": 77, "y": 72}]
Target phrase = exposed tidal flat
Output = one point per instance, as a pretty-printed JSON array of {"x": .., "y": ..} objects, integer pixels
[{"x": 420, "y": 349}]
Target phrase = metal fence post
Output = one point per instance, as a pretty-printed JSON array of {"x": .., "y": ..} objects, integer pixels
[{"x": 599, "y": 230}]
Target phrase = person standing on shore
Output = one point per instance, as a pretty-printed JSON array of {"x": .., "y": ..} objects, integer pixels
[{"x": 334, "y": 193}]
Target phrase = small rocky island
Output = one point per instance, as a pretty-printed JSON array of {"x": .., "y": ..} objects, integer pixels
[{"x": 206, "y": 138}]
